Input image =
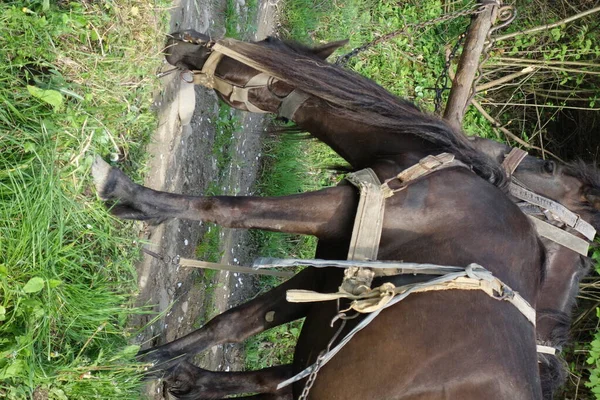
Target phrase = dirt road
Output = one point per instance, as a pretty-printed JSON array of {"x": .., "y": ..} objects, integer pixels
[{"x": 181, "y": 161}]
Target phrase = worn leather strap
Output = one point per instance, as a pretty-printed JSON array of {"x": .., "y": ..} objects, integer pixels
[
  {"x": 424, "y": 167},
  {"x": 368, "y": 222},
  {"x": 207, "y": 78},
  {"x": 513, "y": 159},
  {"x": 564, "y": 214},
  {"x": 291, "y": 103},
  {"x": 560, "y": 236}
]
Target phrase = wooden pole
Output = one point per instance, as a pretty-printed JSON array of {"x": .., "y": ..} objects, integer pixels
[
  {"x": 468, "y": 65},
  {"x": 186, "y": 262}
]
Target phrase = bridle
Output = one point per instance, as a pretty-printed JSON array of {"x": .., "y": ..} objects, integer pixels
[{"x": 534, "y": 205}]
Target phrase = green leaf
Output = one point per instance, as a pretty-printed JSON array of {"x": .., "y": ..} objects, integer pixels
[
  {"x": 34, "y": 285},
  {"x": 2, "y": 313},
  {"x": 555, "y": 33},
  {"x": 52, "y": 97},
  {"x": 54, "y": 283}
]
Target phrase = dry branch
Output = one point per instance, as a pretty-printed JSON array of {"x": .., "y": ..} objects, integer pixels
[
  {"x": 468, "y": 65},
  {"x": 549, "y": 26}
]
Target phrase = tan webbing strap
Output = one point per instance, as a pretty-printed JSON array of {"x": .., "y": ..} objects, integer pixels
[
  {"x": 206, "y": 77},
  {"x": 546, "y": 349},
  {"x": 366, "y": 233},
  {"x": 240, "y": 94},
  {"x": 291, "y": 103},
  {"x": 560, "y": 211},
  {"x": 377, "y": 298},
  {"x": 424, "y": 167},
  {"x": 559, "y": 236},
  {"x": 513, "y": 159}
]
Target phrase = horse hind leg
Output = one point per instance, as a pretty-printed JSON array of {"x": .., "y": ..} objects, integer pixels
[{"x": 187, "y": 381}]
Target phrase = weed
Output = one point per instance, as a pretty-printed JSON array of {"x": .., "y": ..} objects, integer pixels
[{"x": 75, "y": 82}]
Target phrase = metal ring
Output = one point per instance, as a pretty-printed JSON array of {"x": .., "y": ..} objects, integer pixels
[{"x": 187, "y": 76}]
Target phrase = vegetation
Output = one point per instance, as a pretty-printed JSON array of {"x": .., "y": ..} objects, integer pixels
[{"x": 76, "y": 80}]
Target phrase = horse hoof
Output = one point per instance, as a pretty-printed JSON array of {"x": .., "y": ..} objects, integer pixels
[{"x": 100, "y": 174}]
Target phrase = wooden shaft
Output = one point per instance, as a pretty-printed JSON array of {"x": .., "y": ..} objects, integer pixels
[{"x": 187, "y": 262}]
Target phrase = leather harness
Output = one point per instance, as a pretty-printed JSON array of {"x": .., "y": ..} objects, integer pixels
[{"x": 239, "y": 93}]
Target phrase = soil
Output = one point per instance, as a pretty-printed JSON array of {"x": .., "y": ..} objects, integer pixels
[{"x": 181, "y": 161}]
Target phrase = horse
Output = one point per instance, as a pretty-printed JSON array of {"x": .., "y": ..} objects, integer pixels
[
  {"x": 454, "y": 216},
  {"x": 575, "y": 185}
]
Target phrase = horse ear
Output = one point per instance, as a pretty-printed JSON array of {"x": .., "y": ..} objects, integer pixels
[
  {"x": 592, "y": 195},
  {"x": 326, "y": 50}
]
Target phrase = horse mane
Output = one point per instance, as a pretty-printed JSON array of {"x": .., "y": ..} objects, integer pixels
[
  {"x": 357, "y": 98},
  {"x": 553, "y": 368},
  {"x": 589, "y": 175}
]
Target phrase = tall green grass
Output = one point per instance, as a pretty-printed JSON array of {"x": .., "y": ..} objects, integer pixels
[{"x": 75, "y": 81}]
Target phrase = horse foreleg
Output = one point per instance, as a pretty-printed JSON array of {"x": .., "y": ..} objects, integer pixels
[
  {"x": 326, "y": 214},
  {"x": 237, "y": 324},
  {"x": 190, "y": 382}
]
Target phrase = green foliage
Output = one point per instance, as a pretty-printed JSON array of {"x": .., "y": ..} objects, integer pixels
[
  {"x": 73, "y": 83},
  {"x": 273, "y": 347},
  {"x": 593, "y": 361}
]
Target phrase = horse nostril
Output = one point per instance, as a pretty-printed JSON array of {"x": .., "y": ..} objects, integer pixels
[{"x": 549, "y": 167}]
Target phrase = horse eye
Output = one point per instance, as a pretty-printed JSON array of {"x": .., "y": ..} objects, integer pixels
[{"x": 549, "y": 166}]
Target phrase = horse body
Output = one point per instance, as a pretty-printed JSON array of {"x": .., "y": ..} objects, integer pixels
[{"x": 433, "y": 345}]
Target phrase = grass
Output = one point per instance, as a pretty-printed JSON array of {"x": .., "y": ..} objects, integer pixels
[{"x": 76, "y": 81}]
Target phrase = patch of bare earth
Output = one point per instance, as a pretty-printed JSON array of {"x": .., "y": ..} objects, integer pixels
[{"x": 181, "y": 161}]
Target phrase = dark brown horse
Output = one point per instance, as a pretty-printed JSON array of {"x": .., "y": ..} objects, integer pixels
[
  {"x": 565, "y": 267},
  {"x": 453, "y": 344}
]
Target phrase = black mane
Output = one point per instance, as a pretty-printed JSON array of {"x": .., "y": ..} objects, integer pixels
[{"x": 360, "y": 99}]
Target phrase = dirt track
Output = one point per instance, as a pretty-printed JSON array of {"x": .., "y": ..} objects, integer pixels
[{"x": 182, "y": 162}]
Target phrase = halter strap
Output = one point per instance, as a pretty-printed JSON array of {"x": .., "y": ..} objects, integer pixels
[{"x": 557, "y": 210}]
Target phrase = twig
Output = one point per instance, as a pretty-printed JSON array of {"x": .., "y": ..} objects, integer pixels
[
  {"x": 542, "y": 106},
  {"x": 548, "y": 62},
  {"x": 548, "y": 26},
  {"x": 508, "y": 133},
  {"x": 506, "y": 78}
]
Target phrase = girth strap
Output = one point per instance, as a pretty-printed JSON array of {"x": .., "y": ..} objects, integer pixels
[{"x": 368, "y": 222}]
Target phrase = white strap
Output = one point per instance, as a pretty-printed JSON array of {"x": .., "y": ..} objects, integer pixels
[
  {"x": 560, "y": 211},
  {"x": 366, "y": 233},
  {"x": 560, "y": 236}
]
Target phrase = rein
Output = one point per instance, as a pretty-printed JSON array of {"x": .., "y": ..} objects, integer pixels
[{"x": 551, "y": 209}]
